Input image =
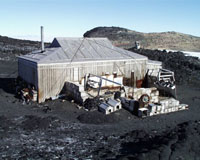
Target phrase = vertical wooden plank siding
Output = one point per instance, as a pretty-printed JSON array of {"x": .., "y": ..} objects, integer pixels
[{"x": 51, "y": 78}]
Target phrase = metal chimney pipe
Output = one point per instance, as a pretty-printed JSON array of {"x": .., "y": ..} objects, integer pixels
[{"x": 42, "y": 40}]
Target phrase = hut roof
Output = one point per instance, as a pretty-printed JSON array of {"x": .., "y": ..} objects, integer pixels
[{"x": 79, "y": 50}]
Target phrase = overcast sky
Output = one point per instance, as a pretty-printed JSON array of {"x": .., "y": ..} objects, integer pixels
[{"x": 72, "y": 18}]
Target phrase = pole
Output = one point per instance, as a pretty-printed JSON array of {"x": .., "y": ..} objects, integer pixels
[{"x": 42, "y": 39}]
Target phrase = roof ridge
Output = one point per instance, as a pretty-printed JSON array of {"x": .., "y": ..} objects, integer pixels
[{"x": 76, "y": 38}]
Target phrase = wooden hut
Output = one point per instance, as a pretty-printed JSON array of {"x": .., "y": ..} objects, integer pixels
[{"x": 69, "y": 59}]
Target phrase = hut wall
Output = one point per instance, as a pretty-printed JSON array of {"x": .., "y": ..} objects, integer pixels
[
  {"x": 27, "y": 70},
  {"x": 154, "y": 67},
  {"x": 51, "y": 77}
]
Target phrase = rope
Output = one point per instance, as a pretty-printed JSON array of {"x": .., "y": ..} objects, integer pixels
[
  {"x": 116, "y": 51},
  {"x": 77, "y": 50}
]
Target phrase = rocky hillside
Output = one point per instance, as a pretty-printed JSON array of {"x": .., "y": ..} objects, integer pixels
[
  {"x": 126, "y": 38},
  {"x": 10, "y": 47}
]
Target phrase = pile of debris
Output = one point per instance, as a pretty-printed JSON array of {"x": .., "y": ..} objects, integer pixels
[
  {"x": 93, "y": 95},
  {"x": 91, "y": 104},
  {"x": 28, "y": 94},
  {"x": 147, "y": 108},
  {"x": 25, "y": 92}
]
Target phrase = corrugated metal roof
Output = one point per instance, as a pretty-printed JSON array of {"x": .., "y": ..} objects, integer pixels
[{"x": 80, "y": 49}]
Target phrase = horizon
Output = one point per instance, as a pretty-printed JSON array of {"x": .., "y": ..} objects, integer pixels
[
  {"x": 38, "y": 38},
  {"x": 72, "y": 18}
]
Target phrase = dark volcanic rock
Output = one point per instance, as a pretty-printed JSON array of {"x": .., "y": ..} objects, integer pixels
[
  {"x": 33, "y": 122},
  {"x": 182, "y": 142},
  {"x": 186, "y": 68},
  {"x": 5, "y": 123},
  {"x": 96, "y": 117}
]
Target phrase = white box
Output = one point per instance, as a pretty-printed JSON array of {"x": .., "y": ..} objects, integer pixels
[
  {"x": 115, "y": 104},
  {"x": 105, "y": 108}
]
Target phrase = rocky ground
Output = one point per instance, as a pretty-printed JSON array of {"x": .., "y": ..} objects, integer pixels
[
  {"x": 67, "y": 132},
  {"x": 10, "y": 48}
]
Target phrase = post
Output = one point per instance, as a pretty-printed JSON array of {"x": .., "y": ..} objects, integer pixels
[
  {"x": 100, "y": 84},
  {"x": 132, "y": 81},
  {"x": 132, "y": 78}
]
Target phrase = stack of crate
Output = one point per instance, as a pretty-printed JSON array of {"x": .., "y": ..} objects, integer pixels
[
  {"x": 154, "y": 95},
  {"x": 166, "y": 106},
  {"x": 169, "y": 105}
]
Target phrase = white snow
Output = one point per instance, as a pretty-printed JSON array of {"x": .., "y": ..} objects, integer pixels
[
  {"x": 188, "y": 53},
  {"x": 194, "y": 54}
]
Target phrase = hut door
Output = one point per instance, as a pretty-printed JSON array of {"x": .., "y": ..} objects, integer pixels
[{"x": 75, "y": 74}]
